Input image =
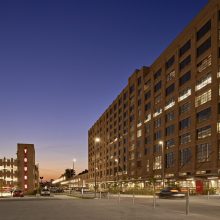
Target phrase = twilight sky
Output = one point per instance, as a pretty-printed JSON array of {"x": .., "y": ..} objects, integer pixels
[{"x": 62, "y": 62}]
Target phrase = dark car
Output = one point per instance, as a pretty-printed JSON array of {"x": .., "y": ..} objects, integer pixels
[
  {"x": 18, "y": 193},
  {"x": 171, "y": 192}
]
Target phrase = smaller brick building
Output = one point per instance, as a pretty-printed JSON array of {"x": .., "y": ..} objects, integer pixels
[{"x": 21, "y": 173}]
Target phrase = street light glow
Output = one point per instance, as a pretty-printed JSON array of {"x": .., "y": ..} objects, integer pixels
[
  {"x": 74, "y": 159},
  {"x": 161, "y": 142}
]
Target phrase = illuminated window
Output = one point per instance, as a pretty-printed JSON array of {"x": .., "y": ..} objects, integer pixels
[
  {"x": 204, "y": 81},
  {"x": 205, "y": 97},
  {"x": 204, "y": 132},
  {"x": 157, "y": 164},
  {"x": 25, "y": 159},
  {"x": 139, "y": 133},
  {"x": 25, "y": 177},
  {"x": 158, "y": 112},
  {"x": 171, "y": 76},
  {"x": 169, "y": 104},
  {"x": 25, "y": 186},
  {"x": 184, "y": 94},
  {"x": 25, "y": 168},
  {"x": 25, "y": 150},
  {"x": 218, "y": 127},
  {"x": 204, "y": 64}
]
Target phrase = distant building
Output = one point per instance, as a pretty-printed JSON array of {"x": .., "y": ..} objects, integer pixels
[
  {"x": 21, "y": 172},
  {"x": 165, "y": 124}
]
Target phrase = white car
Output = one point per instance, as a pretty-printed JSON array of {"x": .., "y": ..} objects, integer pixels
[{"x": 45, "y": 192}]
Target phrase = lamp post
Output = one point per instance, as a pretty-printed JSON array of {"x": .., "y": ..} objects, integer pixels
[
  {"x": 97, "y": 140},
  {"x": 163, "y": 161},
  {"x": 74, "y": 160},
  {"x": 116, "y": 161}
]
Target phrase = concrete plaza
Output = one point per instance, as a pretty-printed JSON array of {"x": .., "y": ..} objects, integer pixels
[{"x": 67, "y": 208}]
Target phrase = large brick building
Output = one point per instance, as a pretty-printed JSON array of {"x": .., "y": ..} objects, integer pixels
[
  {"x": 21, "y": 172},
  {"x": 165, "y": 124}
]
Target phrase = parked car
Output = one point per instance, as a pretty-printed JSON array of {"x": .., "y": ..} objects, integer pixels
[
  {"x": 18, "y": 193},
  {"x": 171, "y": 192},
  {"x": 45, "y": 192}
]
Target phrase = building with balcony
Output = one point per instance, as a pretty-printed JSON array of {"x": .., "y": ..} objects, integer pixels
[
  {"x": 21, "y": 172},
  {"x": 165, "y": 124}
]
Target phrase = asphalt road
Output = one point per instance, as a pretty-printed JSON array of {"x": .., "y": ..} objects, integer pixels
[{"x": 66, "y": 208}]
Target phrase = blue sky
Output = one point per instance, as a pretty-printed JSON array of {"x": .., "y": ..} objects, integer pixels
[{"x": 63, "y": 62}]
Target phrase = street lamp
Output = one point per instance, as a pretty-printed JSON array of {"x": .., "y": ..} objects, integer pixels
[
  {"x": 163, "y": 162},
  {"x": 74, "y": 160},
  {"x": 97, "y": 140},
  {"x": 117, "y": 162}
]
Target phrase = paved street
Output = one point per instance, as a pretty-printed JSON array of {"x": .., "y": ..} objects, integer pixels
[{"x": 63, "y": 207}]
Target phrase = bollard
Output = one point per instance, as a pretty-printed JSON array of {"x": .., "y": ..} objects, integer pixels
[
  {"x": 154, "y": 200},
  {"x": 133, "y": 199},
  {"x": 82, "y": 192},
  {"x": 108, "y": 195},
  {"x": 100, "y": 195},
  {"x": 208, "y": 194},
  {"x": 119, "y": 198},
  {"x": 187, "y": 202}
]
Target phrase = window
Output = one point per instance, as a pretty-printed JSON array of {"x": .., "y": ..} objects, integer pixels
[
  {"x": 148, "y": 140},
  {"x": 185, "y": 123},
  {"x": 204, "y": 132},
  {"x": 204, "y": 115},
  {"x": 157, "y": 86},
  {"x": 205, "y": 63},
  {"x": 147, "y": 118},
  {"x": 158, "y": 99},
  {"x": 139, "y": 81},
  {"x": 170, "y": 89},
  {"x": 203, "y": 152},
  {"x": 203, "y": 30},
  {"x": 185, "y": 48},
  {"x": 169, "y": 103},
  {"x": 185, "y": 107},
  {"x": 185, "y": 78},
  {"x": 170, "y": 130},
  {"x": 157, "y": 135},
  {"x": 157, "y": 164},
  {"x": 184, "y": 94},
  {"x": 131, "y": 90},
  {"x": 170, "y": 116},
  {"x": 184, "y": 63},
  {"x": 218, "y": 151},
  {"x": 147, "y": 128},
  {"x": 157, "y": 74},
  {"x": 170, "y": 75},
  {"x": 169, "y": 161},
  {"x": 170, "y": 62},
  {"x": 157, "y": 148},
  {"x": 157, "y": 122},
  {"x": 157, "y": 112},
  {"x": 204, "y": 81},
  {"x": 147, "y": 84},
  {"x": 204, "y": 47},
  {"x": 218, "y": 127},
  {"x": 205, "y": 97},
  {"x": 185, "y": 156},
  {"x": 170, "y": 143},
  {"x": 139, "y": 133},
  {"x": 147, "y": 95},
  {"x": 185, "y": 138},
  {"x": 147, "y": 106}
]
